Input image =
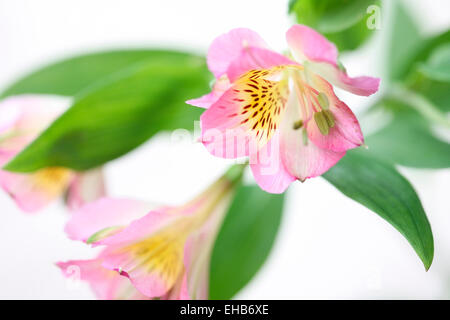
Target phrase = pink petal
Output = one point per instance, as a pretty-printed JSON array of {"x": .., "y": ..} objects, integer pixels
[
  {"x": 227, "y": 47},
  {"x": 140, "y": 228},
  {"x": 222, "y": 134},
  {"x": 86, "y": 187},
  {"x": 252, "y": 58},
  {"x": 308, "y": 44},
  {"x": 32, "y": 192},
  {"x": 198, "y": 249},
  {"x": 247, "y": 114},
  {"x": 104, "y": 213},
  {"x": 363, "y": 86},
  {"x": 302, "y": 159},
  {"x": 126, "y": 253},
  {"x": 179, "y": 291},
  {"x": 106, "y": 284},
  {"x": 22, "y": 118},
  {"x": 148, "y": 283},
  {"x": 269, "y": 170},
  {"x": 346, "y": 133},
  {"x": 221, "y": 85}
]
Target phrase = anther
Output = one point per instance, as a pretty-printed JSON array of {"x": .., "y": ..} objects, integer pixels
[
  {"x": 322, "y": 123},
  {"x": 323, "y": 101},
  {"x": 329, "y": 117},
  {"x": 297, "y": 124}
]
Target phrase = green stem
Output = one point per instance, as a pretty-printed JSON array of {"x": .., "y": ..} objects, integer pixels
[
  {"x": 235, "y": 172},
  {"x": 419, "y": 103}
]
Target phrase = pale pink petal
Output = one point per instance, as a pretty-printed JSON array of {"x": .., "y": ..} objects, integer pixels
[
  {"x": 147, "y": 282},
  {"x": 197, "y": 257},
  {"x": 222, "y": 84},
  {"x": 147, "y": 251},
  {"x": 198, "y": 249},
  {"x": 253, "y": 58},
  {"x": 269, "y": 170},
  {"x": 140, "y": 228},
  {"x": 308, "y": 44},
  {"x": 130, "y": 252},
  {"x": 24, "y": 117},
  {"x": 179, "y": 290},
  {"x": 227, "y": 47},
  {"x": 300, "y": 156},
  {"x": 363, "y": 86},
  {"x": 106, "y": 284},
  {"x": 34, "y": 191},
  {"x": 86, "y": 187},
  {"x": 346, "y": 133},
  {"x": 104, "y": 213}
]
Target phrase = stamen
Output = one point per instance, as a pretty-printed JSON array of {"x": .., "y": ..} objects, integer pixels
[
  {"x": 329, "y": 117},
  {"x": 323, "y": 100},
  {"x": 298, "y": 124},
  {"x": 322, "y": 123}
]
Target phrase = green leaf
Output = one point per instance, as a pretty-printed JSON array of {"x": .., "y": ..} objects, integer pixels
[
  {"x": 430, "y": 73},
  {"x": 404, "y": 42},
  {"x": 381, "y": 188},
  {"x": 341, "y": 21},
  {"x": 429, "y": 49},
  {"x": 118, "y": 114},
  {"x": 351, "y": 38},
  {"x": 68, "y": 77},
  {"x": 244, "y": 241},
  {"x": 407, "y": 139},
  {"x": 438, "y": 65}
]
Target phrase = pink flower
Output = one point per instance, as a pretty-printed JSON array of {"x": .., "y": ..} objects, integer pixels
[
  {"x": 22, "y": 119},
  {"x": 280, "y": 112},
  {"x": 163, "y": 253}
]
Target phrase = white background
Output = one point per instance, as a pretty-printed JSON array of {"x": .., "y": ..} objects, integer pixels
[{"x": 328, "y": 246}]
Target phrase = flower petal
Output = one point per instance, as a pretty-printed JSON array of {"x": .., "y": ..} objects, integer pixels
[
  {"x": 86, "y": 187},
  {"x": 24, "y": 117},
  {"x": 106, "y": 284},
  {"x": 269, "y": 170},
  {"x": 227, "y": 47},
  {"x": 308, "y": 44},
  {"x": 346, "y": 132},
  {"x": 222, "y": 84},
  {"x": 149, "y": 252},
  {"x": 246, "y": 115},
  {"x": 198, "y": 250},
  {"x": 253, "y": 58},
  {"x": 362, "y": 86},
  {"x": 104, "y": 213},
  {"x": 34, "y": 191},
  {"x": 300, "y": 156}
]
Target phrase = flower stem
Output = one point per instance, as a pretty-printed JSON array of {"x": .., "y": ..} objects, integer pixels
[
  {"x": 235, "y": 172},
  {"x": 419, "y": 103}
]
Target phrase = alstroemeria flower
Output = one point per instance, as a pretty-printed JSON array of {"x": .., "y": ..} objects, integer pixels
[
  {"x": 164, "y": 252},
  {"x": 280, "y": 112},
  {"x": 22, "y": 119}
]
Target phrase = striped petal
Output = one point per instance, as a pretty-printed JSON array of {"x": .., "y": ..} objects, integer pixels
[{"x": 247, "y": 114}]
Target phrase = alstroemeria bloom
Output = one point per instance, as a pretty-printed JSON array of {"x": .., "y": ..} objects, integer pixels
[
  {"x": 22, "y": 119},
  {"x": 280, "y": 112},
  {"x": 164, "y": 253}
]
